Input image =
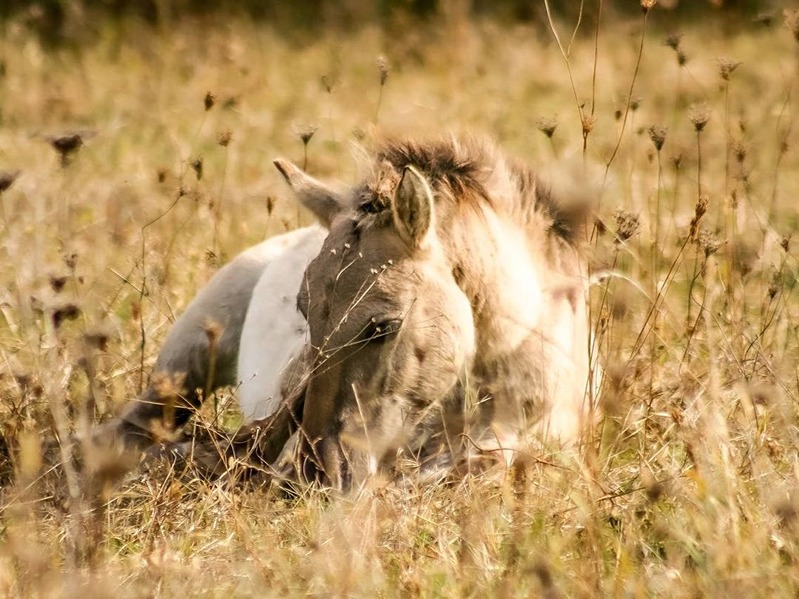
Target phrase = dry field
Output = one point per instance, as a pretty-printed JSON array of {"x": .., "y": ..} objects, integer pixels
[{"x": 689, "y": 485}]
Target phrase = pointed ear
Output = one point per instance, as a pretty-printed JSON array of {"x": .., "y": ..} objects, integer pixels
[
  {"x": 412, "y": 208},
  {"x": 319, "y": 198}
]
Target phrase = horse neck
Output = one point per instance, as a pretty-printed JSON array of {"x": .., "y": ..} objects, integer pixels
[
  {"x": 502, "y": 271},
  {"x": 528, "y": 301}
]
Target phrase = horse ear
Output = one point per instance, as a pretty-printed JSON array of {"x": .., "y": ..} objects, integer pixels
[
  {"x": 320, "y": 199},
  {"x": 412, "y": 208}
]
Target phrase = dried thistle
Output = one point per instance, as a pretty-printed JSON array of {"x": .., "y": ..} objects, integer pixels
[
  {"x": 223, "y": 138},
  {"x": 383, "y": 69},
  {"x": 67, "y": 145},
  {"x": 699, "y": 211},
  {"x": 673, "y": 40},
  {"x": 774, "y": 283},
  {"x": 328, "y": 83},
  {"x": 65, "y": 312},
  {"x": 699, "y": 114},
  {"x": 708, "y": 242},
  {"x": 588, "y": 124},
  {"x": 742, "y": 125},
  {"x": 547, "y": 125},
  {"x": 627, "y": 225},
  {"x": 785, "y": 242},
  {"x": 739, "y": 150},
  {"x": 657, "y": 133},
  {"x": 197, "y": 167},
  {"x": 727, "y": 67},
  {"x": 647, "y": 5},
  {"x": 209, "y": 101},
  {"x": 305, "y": 133},
  {"x": 7, "y": 179},
  {"x": 71, "y": 261},
  {"x": 57, "y": 284}
]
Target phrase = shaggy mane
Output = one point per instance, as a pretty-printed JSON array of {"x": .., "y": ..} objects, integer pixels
[{"x": 472, "y": 172}]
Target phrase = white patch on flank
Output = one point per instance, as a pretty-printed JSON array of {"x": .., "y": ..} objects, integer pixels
[{"x": 274, "y": 331}]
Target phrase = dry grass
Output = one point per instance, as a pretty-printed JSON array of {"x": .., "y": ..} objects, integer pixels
[{"x": 688, "y": 486}]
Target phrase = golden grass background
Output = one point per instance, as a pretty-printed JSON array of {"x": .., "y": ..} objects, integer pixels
[{"x": 688, "y": 485}]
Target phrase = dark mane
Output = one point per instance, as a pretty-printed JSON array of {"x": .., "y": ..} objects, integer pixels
[
  {"x": 471, "y": 172},
  {"x": 448, "y": 164}
]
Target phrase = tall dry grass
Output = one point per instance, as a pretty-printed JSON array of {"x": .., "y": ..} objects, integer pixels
[{"x": 688, "y": 486}]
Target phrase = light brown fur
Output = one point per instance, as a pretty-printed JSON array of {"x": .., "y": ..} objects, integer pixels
[{"x": 477, "y": 267}]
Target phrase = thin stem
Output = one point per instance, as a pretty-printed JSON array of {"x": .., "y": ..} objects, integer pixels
[
  {"x": 596, "y": 57},
  {"x": 629, "y": 96},
  {"x": 565, "y": 56},
  {"x": 698, "y": 165}
]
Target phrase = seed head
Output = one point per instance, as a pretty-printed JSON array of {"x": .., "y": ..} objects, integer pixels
[
  {"x": 57, "y": 283},
  {"x": 65, "y": 312},
  {"x": 197, "y": 166},
  {"x": 774, "y": 283},
  {"x": 270, "y": 205},
  {"x": 635, "y": 102},
  {"x": 305, "y": 133},
  {"x": 699, "y": 114},
  {"x": 657, "y": 133},
  {"x": 223, "y": 138},
  {"x": 588, "y": 123},
  {"x": 7, "y": 179},
  {"x": 727, "y": 67},
  {"x": 739, "y": 150},
  {"x": 67, "y": 145},
  {"x": 627, "y": 225},
  {"x": 71, "y": 261},
  {"x": 708, "y": 242},
  {"x": 647, "y": 5},
  {"x": 547, "y": 125},
  {"x": 328, "y": 83},
  {"x": 785, "y": 242},
  {"x": 699, "y": 211},
  {"x": 209, "y": 101},
  {"x": 383, "y": 68},
  {"x": 673, "y": 40},
  {"x": 682, "y": 58}
]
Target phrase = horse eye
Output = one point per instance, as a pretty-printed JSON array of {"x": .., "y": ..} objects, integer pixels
[
  {"x": 379, "y": 330},
  {"x": 373, "y": 207}
]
